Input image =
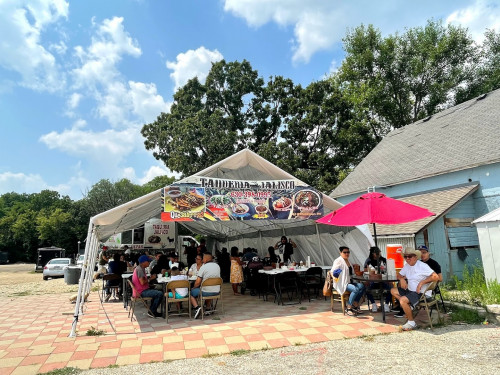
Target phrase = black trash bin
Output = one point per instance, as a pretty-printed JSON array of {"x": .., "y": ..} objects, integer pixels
[{"x": 72, "y": 275}]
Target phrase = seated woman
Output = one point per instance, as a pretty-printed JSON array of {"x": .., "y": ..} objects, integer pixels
[
  {"x": 195, "y": 267},
  {"x": 272, "y": 255},
  {"x": 342, "y": 272},
  {"x": 377, "y": 261}
]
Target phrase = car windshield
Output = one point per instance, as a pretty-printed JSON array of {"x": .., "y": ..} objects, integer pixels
[{"x": 59, "y": 261}]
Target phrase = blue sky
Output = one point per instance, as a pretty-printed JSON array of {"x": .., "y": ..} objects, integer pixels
[{"x": 78, "y": 79}]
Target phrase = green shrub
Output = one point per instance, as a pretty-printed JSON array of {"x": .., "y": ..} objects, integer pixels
[{"x": 473, "y": 289}]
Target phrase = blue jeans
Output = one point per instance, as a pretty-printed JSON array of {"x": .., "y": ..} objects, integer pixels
[
  {"x": 156, "y": 296},
  {"x": 387, "y": 288},
  {"x": 196, "y": 292},
  {"x": 357, "y": 290}
]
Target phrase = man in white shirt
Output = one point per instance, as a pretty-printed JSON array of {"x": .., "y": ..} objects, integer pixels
[
  {"x": 413, "y": 279},
  {"x": 208, "y": 270}
]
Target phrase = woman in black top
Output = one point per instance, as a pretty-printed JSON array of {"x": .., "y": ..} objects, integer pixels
[{"x": 285, "y": 247}]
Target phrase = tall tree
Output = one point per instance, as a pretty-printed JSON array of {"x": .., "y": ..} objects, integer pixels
[
  {"x": 486, "y": 73},
  {"x": 403, "y": 78}
]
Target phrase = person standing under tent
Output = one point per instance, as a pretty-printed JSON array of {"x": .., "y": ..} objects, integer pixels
[
  {"x": 236, "y": 277},
  {"x": 285, "y": 246}
]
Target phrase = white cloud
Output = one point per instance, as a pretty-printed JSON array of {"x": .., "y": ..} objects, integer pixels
[
  {"x": 192, "y": 63},
  {"x": 478, "y": 17},
  {"x": 109, "y": 146},
  {"x": 148, "y": 175},
  {"x": 99, "y": 60},
  {"x": 73, "y": 100},
  {"x": 29, "y": 183},
  {"x": 320, "y": 25},
  {"x": 21, "y": 51},
  {"x": 146, "y": 101},
  {"x": 59, "y": 48}
]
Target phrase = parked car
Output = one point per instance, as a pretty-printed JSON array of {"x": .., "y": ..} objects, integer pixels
[
  {"x": 79, "y": 261},
  {"x": 55, "y": 267}
]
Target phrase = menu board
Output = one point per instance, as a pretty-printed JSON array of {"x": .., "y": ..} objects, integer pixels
[{"x": 222, "y": 200}]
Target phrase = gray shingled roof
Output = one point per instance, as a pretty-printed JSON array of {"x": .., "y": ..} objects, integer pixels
[
  {"x": 438, "y": 201},
  {"x": 461, "y": 137}
]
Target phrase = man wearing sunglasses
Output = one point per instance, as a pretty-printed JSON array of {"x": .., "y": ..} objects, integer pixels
[{"x": 413, "y": 279}]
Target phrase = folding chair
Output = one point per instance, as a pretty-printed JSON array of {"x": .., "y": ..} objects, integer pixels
[
  {"x": 313, "y": 278},
  {"x": 211, "y": 281},
  {"x": 136, "y": 296},
  {"x": 114, "y": 288},
  {"x": 176, "y": 285},
  {"x": 427, "y": 303},
  {"x": 437, "y": 291},
  {"x": 288, "y": 282}
]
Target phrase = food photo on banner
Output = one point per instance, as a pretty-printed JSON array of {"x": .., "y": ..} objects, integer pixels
[{"x": 217, "y": 199}]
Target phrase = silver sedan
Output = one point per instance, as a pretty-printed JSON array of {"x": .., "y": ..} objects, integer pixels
[{"x": 55, "y": 267}]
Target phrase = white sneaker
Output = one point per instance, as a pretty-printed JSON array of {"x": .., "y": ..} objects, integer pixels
[
  {"x": 408, "y": 327},
  {"x": 387, "y": 308},
  {"x": 374, "y": 307}
]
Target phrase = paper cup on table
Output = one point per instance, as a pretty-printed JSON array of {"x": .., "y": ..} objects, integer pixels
[{"x": 391, "y": 267}]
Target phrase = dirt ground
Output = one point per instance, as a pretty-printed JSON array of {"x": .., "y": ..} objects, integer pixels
[{"x": 20, "y": 279}]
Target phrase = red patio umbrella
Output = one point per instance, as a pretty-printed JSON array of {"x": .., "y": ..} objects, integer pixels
[{"x": 375, "y": 208}]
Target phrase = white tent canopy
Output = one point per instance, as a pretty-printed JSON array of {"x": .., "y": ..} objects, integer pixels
[{"x": 317, "y": 241}]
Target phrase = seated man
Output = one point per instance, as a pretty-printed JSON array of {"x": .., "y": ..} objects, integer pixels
[
  {"x": 409, "y": 292},
  {"x": 141, "y": 285},
  {"x": 426, "y": 258},
  {"x": 208, "y": 270},
  {"x": 174, "y": 261},
  {"x": 116, "y": 267}
]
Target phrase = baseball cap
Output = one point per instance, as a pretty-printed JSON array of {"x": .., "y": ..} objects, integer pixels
[
  {"x": 143, "y": 258},
  {"x": 422, "y": 247}
]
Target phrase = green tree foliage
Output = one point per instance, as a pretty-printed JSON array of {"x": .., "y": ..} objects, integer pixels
[
  {"x": 105, "y": 195},
  {"x": 486, "y": 73},
  {"x": 400, "y": 79},
  {"x": 309, "y": 132},
  {"x": 157, "y": 183},
  {"x": 30, "y": 221}
]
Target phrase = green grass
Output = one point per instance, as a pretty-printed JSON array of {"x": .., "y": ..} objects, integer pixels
[
  {"x": 303, "y": 308},
  {"x": 240, "y": 352},
  {"x": 64, "y": 371},
  {"x": 210, "y": 355},
  {"x": 21, "y": 294},
  {"x": 465, "y": 316},
  {"x": 95, "y": 332},
  {"x": 473, "y": 289}
]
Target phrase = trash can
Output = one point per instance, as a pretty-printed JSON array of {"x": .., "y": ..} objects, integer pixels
[{"x": 72, "y": 275}]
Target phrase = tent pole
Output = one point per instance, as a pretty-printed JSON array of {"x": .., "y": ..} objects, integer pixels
[
  {"x": 320, "y": 247},
  {"x": 260, "y": 240},
  {"x": 81, "y": 283}
]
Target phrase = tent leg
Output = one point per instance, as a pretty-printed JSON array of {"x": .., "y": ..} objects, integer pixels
[{"x": 320, "y": 247}]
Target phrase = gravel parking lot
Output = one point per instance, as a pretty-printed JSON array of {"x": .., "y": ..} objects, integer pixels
[
  {"x": 20, "y": 279},
  {"x": 456, "y": 349}
]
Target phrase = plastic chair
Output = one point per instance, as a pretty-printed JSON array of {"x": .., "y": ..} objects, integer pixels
[
  {"x": 427, "y": 303},
  {"x": 134, "y": 299},
  {"x": 211, "y": 281},
  {"x": 176, "y": 285},
  {"x": 313, "y": 278}
]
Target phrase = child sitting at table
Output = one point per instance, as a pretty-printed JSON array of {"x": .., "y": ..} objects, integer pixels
[{"x": 179, "y": 292}]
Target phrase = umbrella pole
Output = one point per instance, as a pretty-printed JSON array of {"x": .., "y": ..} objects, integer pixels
[{"x": 376, "y": 244}]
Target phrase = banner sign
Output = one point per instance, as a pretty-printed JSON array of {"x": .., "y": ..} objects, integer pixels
[{"x": 218, "y": 199}]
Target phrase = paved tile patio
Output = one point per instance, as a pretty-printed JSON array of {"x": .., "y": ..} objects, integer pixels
[{"x": 34, "y": 331}]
